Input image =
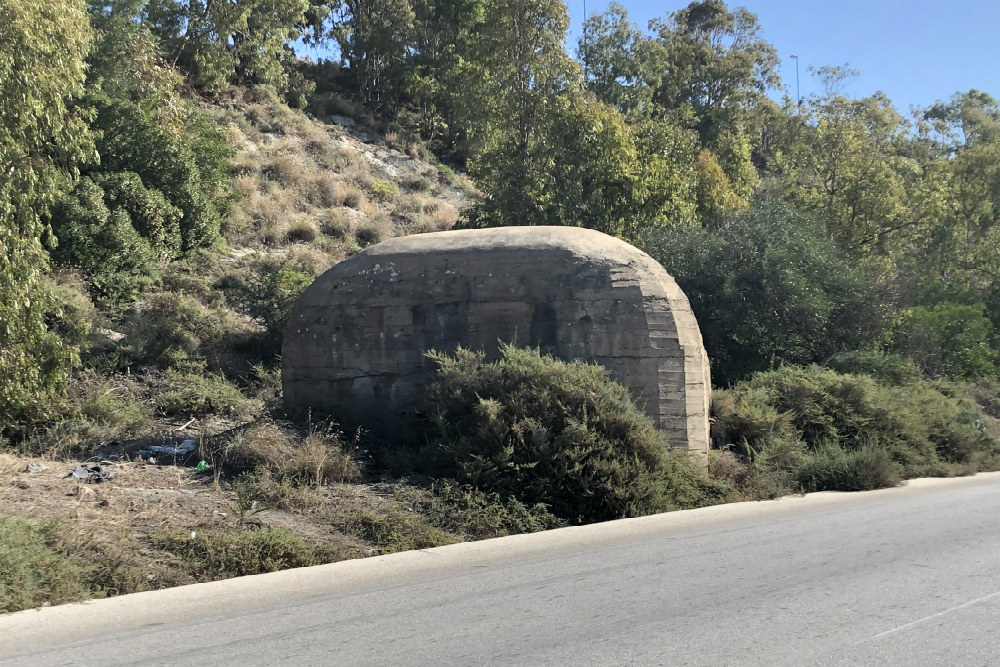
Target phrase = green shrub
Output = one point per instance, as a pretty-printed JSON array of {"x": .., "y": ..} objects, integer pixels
[
  {"x": 221, "y": 554},
  {"x": 175, "y": 329},
  {"x": 549, "y": 432},
  {"x": 155, "y": 218},
  {"x": 949, "y": 339},
  {"x": 787, "y": 415},
  {"x": 173, "y": 149},
  {"x": 200, "y": 395},
  {"x": 768, "y": 287},
  {"x": 892, "y": 369},
  {"x": 465, "y": 510},
  {"x": 33, "y": 571},
  {"x": 832, "y": 468},
  {"x": 102, "y": 242},
  {"x": 266, "y": 289},
  {"x": 392, "y": 530},
  {"x": 382, "y": 191}
]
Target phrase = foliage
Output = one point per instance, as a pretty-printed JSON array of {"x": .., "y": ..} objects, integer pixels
[
  {"x": 791, "y": 413},
  {"x": 831, "y": 468},
  {"x": 890, "y": 369},
  {"x": 169, "y": 329},
  {"x": 42, "y": 139},
  {"x": 395, "y": 530},
  {"x": 704, "y": 63},
  {"x": 950, "y": 339},
  {"x": 465, "y": 510},
  {"x": 103, "y": 244},
  {"x": 225, "y": 43},
  {"x": 562, "y": 434},
  {"x": 266, "y": 289},
  {"x": 33, "y": 570},
  {"x": 201, "y": 394},
  {"x": 373, "y": 36},
  {"x": 841, "y": 160},
  {"x": 767, "y": 287},
  {"x": 220, "y": 554},
  {"x": 180, "y": 159}
]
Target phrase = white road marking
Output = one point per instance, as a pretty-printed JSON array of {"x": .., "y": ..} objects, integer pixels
[{"x": 937, "y": 615}]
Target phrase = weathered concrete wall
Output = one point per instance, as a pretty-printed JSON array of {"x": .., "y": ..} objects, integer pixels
[{"x": 355, "y": 341}]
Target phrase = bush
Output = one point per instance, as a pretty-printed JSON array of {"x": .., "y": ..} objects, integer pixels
[
  {"x": 171, "y": 327},
  {"x": 173, "y": 149},
  {"x": 545, "y": 431},
  {"x": 198, "y": 395},
  {"x": 832, "y": 468},
  {"x": 891, "y": 369},
  {"x": 211, "y": 555},
  {"x": 266, "y": 289},
  {"x": 33, "y": 572},
  {"x": 382, "y": 191},
  {"x": 394, "y": 530},
  {"x": 768, "y": 287},
  {"x": 465, "y": 510},
  {"x": 787, "y": 415},
  {"x": 103, "y": 243},
  {"x": 949, "y": 339}
]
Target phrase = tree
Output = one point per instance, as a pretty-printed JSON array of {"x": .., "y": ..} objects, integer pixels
[
  {"x": 964, "y": 136},
  {"x": 444, "y": 42},
  {"x": 612, "y": 53},
  {"x": 374, "y": 38},
  {"x": 156, "y": 149},
  {"x": 586, "y": 167},
  {"x": 220, "y": 43},
  {"x": 840, "y": 159},
  {"x": 704, "y": 68},
  {"x": 42, "y": 139}
]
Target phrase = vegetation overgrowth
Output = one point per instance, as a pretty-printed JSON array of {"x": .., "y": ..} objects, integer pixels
[{"x": 174, "y": 176}]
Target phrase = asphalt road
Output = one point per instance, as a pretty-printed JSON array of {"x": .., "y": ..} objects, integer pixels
[{"x": 907, "y": 576}]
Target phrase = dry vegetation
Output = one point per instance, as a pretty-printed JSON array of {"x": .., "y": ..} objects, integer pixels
[{"x": 195, "y": 359}]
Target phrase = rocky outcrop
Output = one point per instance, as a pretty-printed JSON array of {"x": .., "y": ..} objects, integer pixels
[{"x": 356, "y": 339}]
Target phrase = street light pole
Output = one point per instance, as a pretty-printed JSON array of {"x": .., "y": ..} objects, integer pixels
[{"x": 798, "y": 95}]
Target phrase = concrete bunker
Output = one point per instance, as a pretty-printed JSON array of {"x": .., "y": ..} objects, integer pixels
[{"x": 355, "y": 342}]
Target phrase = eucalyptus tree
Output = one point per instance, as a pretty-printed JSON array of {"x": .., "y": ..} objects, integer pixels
[
  {"x": 221, "y": 43},
  {"x": 42, "y": 139}
]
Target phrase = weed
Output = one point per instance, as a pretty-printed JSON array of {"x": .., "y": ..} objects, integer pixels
[
  {"x": 246, "y": 503},
  {"x": 324, "y": 456},
  {"x": 212, "y": 555},
  {"x": 395, "y": 530}
]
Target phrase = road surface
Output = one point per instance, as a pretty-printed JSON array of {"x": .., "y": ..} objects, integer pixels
[{"x": 906, "y": 576}]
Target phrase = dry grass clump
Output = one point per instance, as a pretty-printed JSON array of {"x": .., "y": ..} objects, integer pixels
[
  {"x": 264, "y": 444},
  {"x": 309, "y": 259},
  {"x": 273, "y": 231},
  {"x": 443, "y": 217},
  {"x": 287, "y": 169},
  {"x": 337, "y": 223},
  {"x": 247, "y": 184},
  {"x": 374, "y": 230},
  {"x": 322, "y": 190},
  {"x": 351, "y": 196},
  {"x": 323, "y": 457},
  {"x": 302, "y": 230}
]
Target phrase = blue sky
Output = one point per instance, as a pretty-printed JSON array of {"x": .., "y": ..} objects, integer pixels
[{"x": 914, "y": 51}]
